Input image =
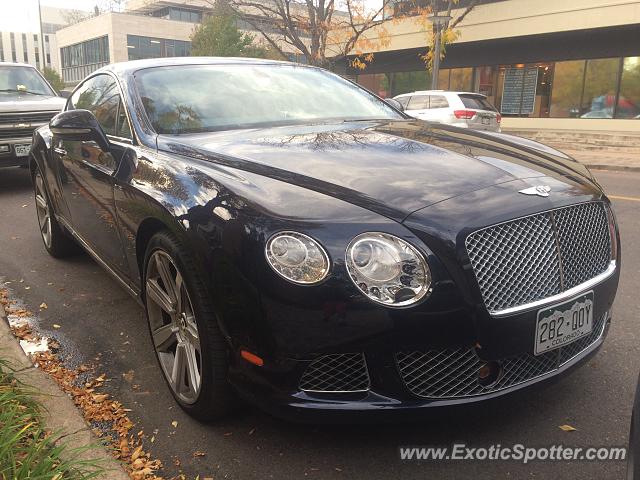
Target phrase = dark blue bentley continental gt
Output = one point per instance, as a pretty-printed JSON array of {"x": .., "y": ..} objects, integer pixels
[{"x": 299, "y": 242}]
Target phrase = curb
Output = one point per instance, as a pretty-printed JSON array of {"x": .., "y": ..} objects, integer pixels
[
  {"x": 59, "y": 412},
  {"x": 617, "y": 168}
]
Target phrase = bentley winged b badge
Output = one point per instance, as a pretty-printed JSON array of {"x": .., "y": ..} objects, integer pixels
[{"x": 540, "y": 190}]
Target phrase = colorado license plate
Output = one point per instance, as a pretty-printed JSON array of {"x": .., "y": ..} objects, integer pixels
[
  {"x": 22, "y": 150},
  {"x": 564, "y": 323},
  {"x": 486, "y": 120}
]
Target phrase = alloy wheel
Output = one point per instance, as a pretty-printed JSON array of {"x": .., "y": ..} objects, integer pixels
[
  {"x": 173, "y": 327},
  {"x": 43, "y": 210}
]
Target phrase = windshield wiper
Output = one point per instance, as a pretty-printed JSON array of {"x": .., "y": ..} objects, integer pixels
[{"x": 21, "y": 91}]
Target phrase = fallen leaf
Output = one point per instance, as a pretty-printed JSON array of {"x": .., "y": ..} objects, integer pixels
[
  {"x": 128, "y": 376},
  {"x": 567, "y": 428},
  {"x": 136, "y": 453},
  {"x": 199, "y": 454},
  {"x": 174, "y": 424},
  {"x": 27, "y": 288},
  {"x": 100, "y": 398},
  {"x": 25, "y": 206},
  {"x": 56, "y": 326},
  {"x": 228, "y": 434}
]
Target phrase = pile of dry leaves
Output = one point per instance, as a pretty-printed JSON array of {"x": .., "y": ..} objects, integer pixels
[{"x": 96, "y": 406}]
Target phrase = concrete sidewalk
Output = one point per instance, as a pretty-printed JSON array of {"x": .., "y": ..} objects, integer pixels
[
  {"x": 596, "y": 149},
  {"x": 60, "y": 413},
  {"x": 607, "y": 160}
]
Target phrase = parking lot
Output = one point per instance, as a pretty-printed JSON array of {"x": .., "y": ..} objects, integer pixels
[{"x": 98, "y": 319}]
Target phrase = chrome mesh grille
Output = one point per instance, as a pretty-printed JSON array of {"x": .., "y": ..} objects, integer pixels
[
  {"x": 453, "y": 373},
  {"x": 582, "y": 260},
  {"x": 538, "y": 256},
  {"x": 341, "y": 372}
]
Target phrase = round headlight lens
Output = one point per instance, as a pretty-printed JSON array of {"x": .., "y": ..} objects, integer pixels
[
  {"x": 297, "y": 257},
  {"x": 387, "y": 269}
]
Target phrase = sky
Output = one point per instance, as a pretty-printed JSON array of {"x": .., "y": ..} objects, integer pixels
[{"x": 22, "y": 15}]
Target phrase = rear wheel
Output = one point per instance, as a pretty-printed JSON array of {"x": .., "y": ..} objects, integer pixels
[
  {"x": 57, "y": 242},
  {"x": 190, "y": 348}
]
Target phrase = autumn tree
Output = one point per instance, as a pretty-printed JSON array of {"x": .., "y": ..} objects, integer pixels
[
  {"x": 218, "y": 35},
  {"x": 324, "y": 31},
  {"x": 53, "y": 78},
  {"x": 448, "y": 33}
]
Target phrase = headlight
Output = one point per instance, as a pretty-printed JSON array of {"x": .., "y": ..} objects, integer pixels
[
  {"x": 297, "y": 257},
  {"x": 387, "y": 269}
]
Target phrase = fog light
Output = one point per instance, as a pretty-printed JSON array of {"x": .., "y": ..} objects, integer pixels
[
  {"x": 489, "y": 373},
  {"x": 4, "y": 148}
]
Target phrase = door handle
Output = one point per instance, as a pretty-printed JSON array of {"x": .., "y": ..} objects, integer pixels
[{"x": 60, "y": 151}]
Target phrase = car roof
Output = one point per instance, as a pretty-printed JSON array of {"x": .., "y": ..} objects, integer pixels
[
  {"x": 15, "y": 64},
  {"x": 439, "y": 92},
  {"x": 132, "y": 66}
]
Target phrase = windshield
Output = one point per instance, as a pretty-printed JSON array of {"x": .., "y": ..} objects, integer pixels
[
  {"x": 200, "y": 98},
  {"x": 22, "y": 79}
]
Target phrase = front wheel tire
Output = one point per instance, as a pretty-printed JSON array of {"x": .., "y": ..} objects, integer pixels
[{"x": 189, "y": 346}]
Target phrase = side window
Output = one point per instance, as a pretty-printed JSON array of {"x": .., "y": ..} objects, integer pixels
[
  {"x": 123, "y": 129},
  {"x": 403, "y": 101},
  {"x": 439, "y": 101},
  {"x": 100, "y": 96},
  {"x": 418, "y": 102}
]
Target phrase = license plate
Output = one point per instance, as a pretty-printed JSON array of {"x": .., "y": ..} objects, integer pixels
[
  {"x": 486, "y": 120},
  {"x": 564, "y": 323},
  {"x": 22, "y": 150}
]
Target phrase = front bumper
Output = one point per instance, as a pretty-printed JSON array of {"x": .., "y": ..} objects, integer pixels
[
  {"x": 8, "y": 157},
  {"x": 379, "y": 403},
  {"x": 440, "y": 373}
]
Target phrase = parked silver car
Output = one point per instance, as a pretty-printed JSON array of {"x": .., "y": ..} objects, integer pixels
[
  {"x": 27, "y": 102},
  {"x": 462, "y": 109}
]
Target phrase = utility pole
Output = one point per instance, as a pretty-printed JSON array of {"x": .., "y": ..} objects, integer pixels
[
  {"x": 43, "y": 55},
  {"x": 438, "y": 21}
]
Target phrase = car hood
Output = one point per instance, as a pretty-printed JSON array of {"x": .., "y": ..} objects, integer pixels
[
  {"x": 390, "y": 167},
  {"x": 24, "y": 102}
]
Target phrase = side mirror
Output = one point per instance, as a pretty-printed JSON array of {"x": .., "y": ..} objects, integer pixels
[
  {"x": 394, "y": 103},
  {"x": 80, "y": 125}
]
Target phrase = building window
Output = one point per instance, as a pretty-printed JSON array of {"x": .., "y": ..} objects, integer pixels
[
  {"x": 25, "y": 54},
  {"x": 179, "y": 14},
  {"x": 13, "y": 47},
  {"x": 460, "y": 79},
  {"x": 46, "y": 38},
  {"x": 1, "y": 49},
  {"x": 629, "y": 96},
  {"x": 568, "y": 78},
  {"x": 35, "y": 38},
  {"x": 81, "y": 59},
  {"x": 600, "y": 84},
  {"x": 37, "y": 60},
  {"x": 148, "y": 47},
  {"x": 48, "y": 59}
]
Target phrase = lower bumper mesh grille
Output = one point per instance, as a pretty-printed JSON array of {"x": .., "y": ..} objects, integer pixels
[
  {"x": 453, "y": 373},
  {"x": 341, "y": 372}
]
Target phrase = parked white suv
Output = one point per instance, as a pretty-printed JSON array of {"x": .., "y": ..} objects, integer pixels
[{"x": 462, "y": 109}]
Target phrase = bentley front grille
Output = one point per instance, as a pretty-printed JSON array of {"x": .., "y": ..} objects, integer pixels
[
  {"x": 539, "y": 256},
  {"x": 341, "y": 372},
  {"x": 454, "y": 373}
]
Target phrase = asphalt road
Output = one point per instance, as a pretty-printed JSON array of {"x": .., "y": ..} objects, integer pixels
[{"x": 97, "y": 317}]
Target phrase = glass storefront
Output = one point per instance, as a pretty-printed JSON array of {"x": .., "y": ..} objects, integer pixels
[{"x": 594, "y": 88}]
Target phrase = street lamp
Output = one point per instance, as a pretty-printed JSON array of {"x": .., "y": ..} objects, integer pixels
[{"x": 438, "y": 21}]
